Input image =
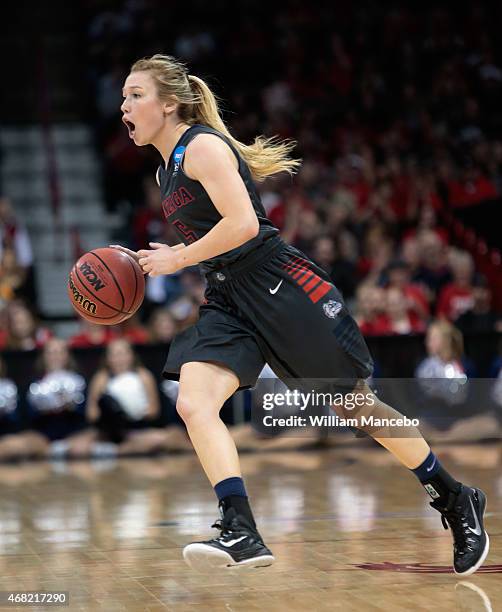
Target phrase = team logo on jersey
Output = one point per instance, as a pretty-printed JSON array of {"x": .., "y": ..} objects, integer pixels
[
  {"x": 178, "y": 156},
  {"x": 331, "y": 308}
]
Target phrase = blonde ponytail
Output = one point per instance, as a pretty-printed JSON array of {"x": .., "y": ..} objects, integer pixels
[{"x": 198, "y": 104}]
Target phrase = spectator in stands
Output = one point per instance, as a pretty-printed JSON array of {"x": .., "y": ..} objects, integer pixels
[
  {"x": 23, "y": 331},
  {"x": 132, "y": 330},
  {"x": 12, "y": 275},
  {"x": 148, "y": 221},
  {"x": 56, "y": 401},
  {"x": 434, "y": 271},
  {"x": 472, "y": 187},
  {"x": 371, "y": 315},
  {"x": 9, "y": 417},
  {"x": 456, "y": 297},
  {"x": 19, "y": 264},
  {"x": 185, "y": 309},
  {"x": 402, "y": 320},
  {"x": 445, "y": 348},
  {"x": 342, "y": 272},
  {"x": 123, "y": 406},
  {"x": 13, "y": 235},
  {"x": 3, "y": 326},
  {"x": 450, "y": 411},
  {"x": 398, "y": 276},
  {"x": 161, "y": 326},
  {"x": 480, "y": 318},
  {"x": 92, "y": 335}
]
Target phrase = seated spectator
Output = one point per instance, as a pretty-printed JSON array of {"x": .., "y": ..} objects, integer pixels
[
  {"x": 402, "y": 320},
  {"x": 456, "y": 297},
  {"x": 398, "y": 276},
  {"x": 161, "y": 326},
  {"x": 410, "y": 255},
  {"x": 56, "y": 407},
  {"x": 445, "y": 348},
  {"x": 371, "y": 317},
  {"x": 15, "y": 238},
  {"x": 308, "y": 229},
  {"x": 12, "y": 275},
  {"x": 434, "y": 270},
  {"x": 471, "y": 188},
  {"x": 132, "y": 330},
  {"x": 162, "y": 290},
  {"x": 480, "y": 317},
  {"x": 377, "y": 253},
  {"x": 13, "y": 235},
  {"x": 342, "y": 272},
  {"x": 9, "y": 418},
  {"x": 148, "y": 221},
  {"x": 123, "y": 405},
  {"x": 23, "y": 331},
  {"x": 185, "y": 309},
  {"x": 92, "y": 335},
  {"x": 427, "y": 220}
]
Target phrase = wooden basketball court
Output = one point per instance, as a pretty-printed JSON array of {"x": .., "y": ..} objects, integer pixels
[{"x": 349, "y": 528}]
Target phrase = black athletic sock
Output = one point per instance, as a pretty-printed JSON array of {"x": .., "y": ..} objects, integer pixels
[{"x": 436, "y": 480}]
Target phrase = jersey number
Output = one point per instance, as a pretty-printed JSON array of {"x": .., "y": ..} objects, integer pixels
[{"x": 186, "y": 231}]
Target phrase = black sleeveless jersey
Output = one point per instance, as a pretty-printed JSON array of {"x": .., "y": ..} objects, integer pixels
[{"x": 188, "y": 207}]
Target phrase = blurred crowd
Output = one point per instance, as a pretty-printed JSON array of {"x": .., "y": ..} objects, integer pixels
[{"x": 396, "y": 115}]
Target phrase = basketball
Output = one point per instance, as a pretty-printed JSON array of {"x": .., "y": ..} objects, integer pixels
[{"x": 106, "y": 286}]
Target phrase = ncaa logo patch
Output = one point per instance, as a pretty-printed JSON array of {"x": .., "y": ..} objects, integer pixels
[
  {"x": 331, "y": 308},
  {"x": 178, "y": 156}
]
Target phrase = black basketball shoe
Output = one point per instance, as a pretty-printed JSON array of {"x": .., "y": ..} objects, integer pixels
[
  {"x": 238, "y": 545},
  {"x": 464, "y": 515}
]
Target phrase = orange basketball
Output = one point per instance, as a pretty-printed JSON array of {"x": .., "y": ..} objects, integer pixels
[{"x": 106, "y": 286}]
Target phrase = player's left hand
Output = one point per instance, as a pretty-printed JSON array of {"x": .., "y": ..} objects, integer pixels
[{"x": 162, "y": 259}]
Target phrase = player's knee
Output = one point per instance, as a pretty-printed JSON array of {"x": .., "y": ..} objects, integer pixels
[{"x": 189, "y": 408}]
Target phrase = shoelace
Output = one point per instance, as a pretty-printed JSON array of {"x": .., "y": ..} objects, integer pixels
[
  {"x": 460, "y": 529},
  {"x": 224, "y": 529}
]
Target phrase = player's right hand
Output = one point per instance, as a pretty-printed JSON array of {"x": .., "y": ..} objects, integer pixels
[{"x": 129, "y": 252}]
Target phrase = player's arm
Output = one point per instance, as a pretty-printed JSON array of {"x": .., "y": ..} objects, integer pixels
[
  {"x": 96, "y": 388},
  {"x": 152, "y": 394},
  {"x": 209, "y": 160}
]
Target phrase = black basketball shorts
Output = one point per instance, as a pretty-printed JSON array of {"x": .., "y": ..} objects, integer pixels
[{"x": 274, "y": 306}]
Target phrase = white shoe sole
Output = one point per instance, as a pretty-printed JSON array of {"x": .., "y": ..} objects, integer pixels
[
  {"x": 480, "y": 562},
  {"x": 202, "y": 557}
]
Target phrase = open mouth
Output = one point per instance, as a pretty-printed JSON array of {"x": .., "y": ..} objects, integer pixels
[{"x": 130, "y": 126}]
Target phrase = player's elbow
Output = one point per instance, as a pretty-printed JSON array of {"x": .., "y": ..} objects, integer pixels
[{"x": 250, "y": 229}]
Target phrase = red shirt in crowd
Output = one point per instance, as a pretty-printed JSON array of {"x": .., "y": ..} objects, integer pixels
[
  {"x": 88, "y": 340},
  {"x": 453, "y": 301},
  {"x": 471, "y": 192}
]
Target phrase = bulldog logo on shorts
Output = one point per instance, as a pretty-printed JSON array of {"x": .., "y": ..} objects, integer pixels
[{"x": 331, "y": 308}]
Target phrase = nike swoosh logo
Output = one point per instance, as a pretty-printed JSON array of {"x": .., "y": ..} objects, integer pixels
[
  {"x": 273, "y": 291},
  {"x": 231, "y": 543},
  {"x": 477, "y": 530},
  {"x": 433, "y": 464}
]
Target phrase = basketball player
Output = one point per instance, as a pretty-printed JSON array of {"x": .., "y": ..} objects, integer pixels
[{"x": 265, "y": 302}]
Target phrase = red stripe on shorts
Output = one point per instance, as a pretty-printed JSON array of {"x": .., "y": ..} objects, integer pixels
[{"x": 320, "y": 292}]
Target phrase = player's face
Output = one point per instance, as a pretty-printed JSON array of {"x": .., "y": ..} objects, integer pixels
[{"x": 143, "y": 112}]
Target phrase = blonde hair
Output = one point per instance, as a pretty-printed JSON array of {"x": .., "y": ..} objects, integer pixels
[
  {"x": 453, "y": 339},
  {"x": 198, "y": 104}
]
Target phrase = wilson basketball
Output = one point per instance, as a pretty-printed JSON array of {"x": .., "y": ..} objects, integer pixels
[{"x": 106, "y": 286}]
